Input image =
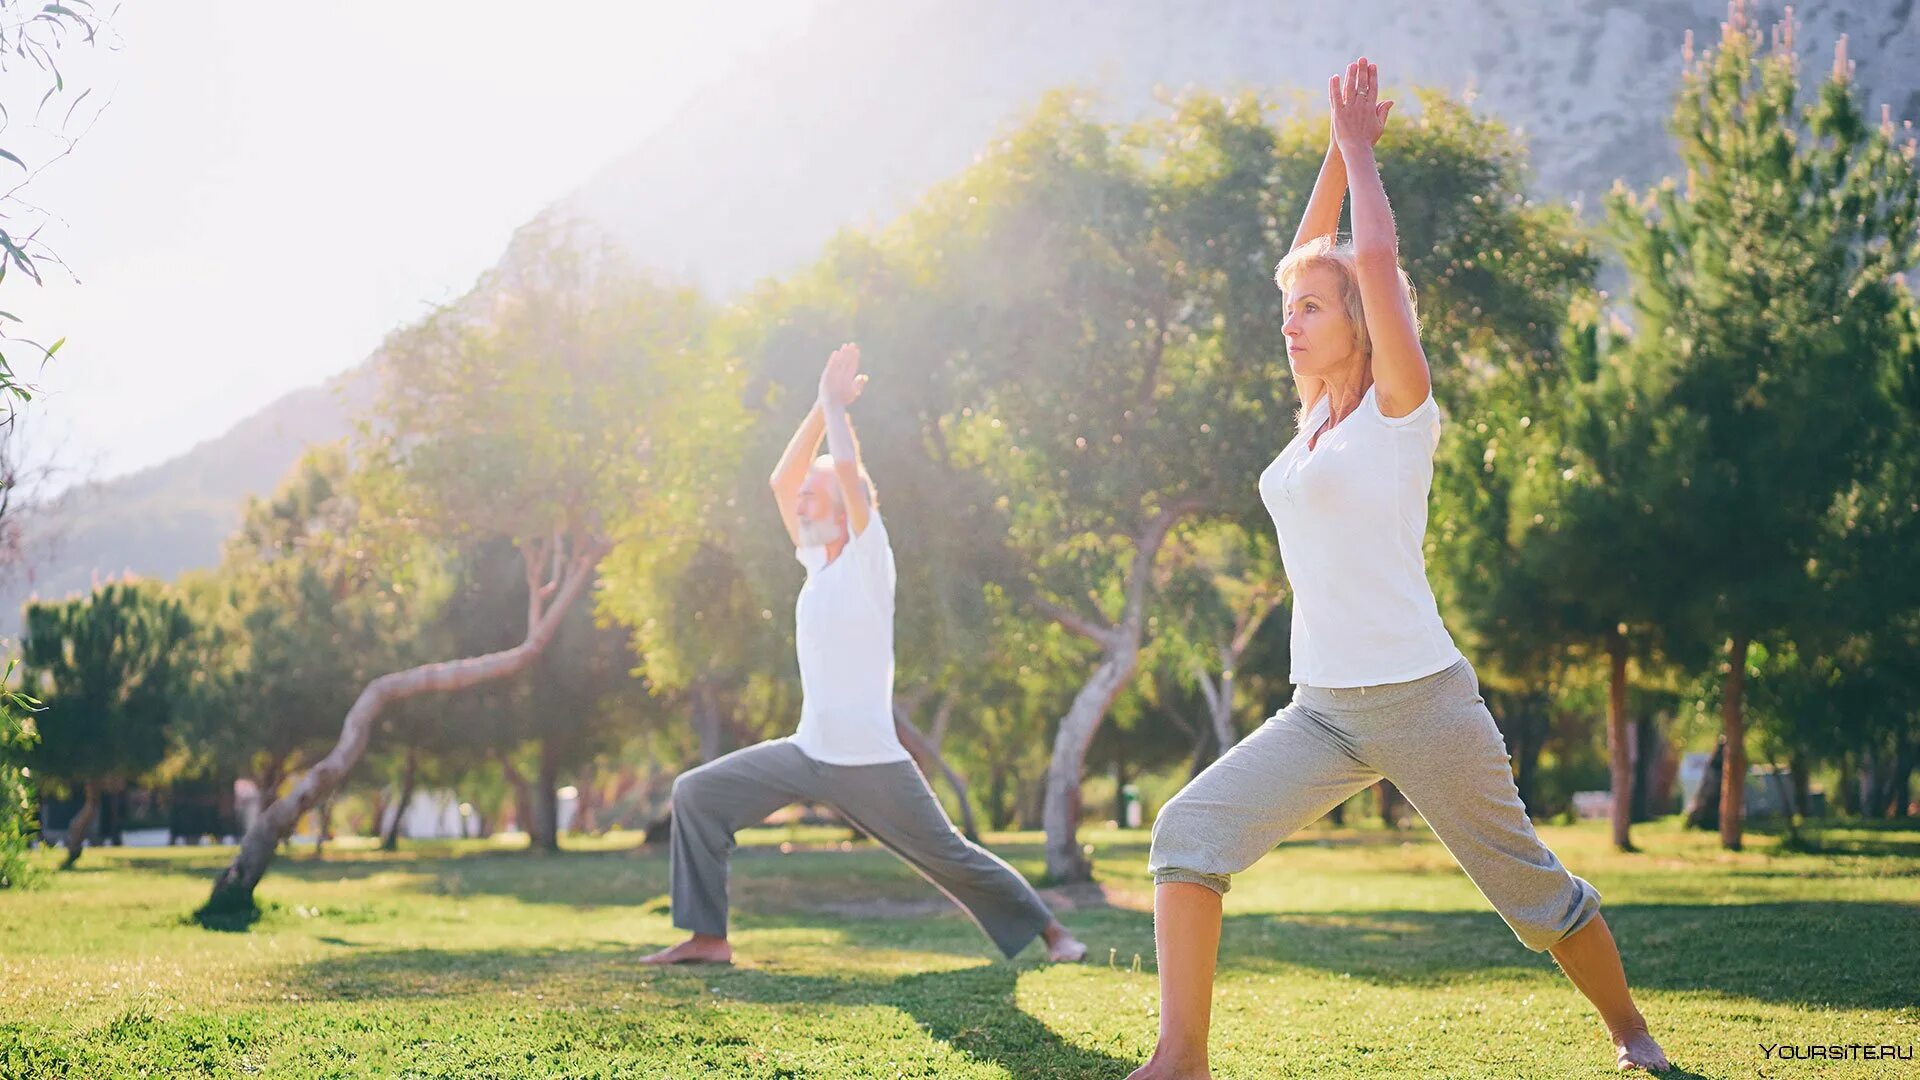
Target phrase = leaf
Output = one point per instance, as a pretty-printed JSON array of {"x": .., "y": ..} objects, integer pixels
[
  {"x": 10, "y": 156},
  {"x": 75, "y": 105},
  {"x": 56, "y": 347}
]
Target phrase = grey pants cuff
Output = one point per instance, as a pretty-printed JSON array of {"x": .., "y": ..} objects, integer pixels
[{"x": 1219, "y": 883}]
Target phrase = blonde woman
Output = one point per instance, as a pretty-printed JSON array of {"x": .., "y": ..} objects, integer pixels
[{"x": 1381, "y": 689}]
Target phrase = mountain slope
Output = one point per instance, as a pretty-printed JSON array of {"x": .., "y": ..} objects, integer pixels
[{"x": 843, "y": 125}]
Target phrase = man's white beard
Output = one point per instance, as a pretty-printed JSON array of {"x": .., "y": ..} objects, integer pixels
[{"x": 818, "y": 533}]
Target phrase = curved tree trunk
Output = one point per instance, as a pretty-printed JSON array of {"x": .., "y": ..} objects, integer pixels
[
  {"x": 546, "y": 604},
  {"x": 1218, "y": 694},
  {"x": 1060, "y": 806},
  {"x": 1120, "y": 656},
  {"x": 1619, "y": 750},
  {"x": 1733, "y": 775},
  {"x": 390, "y": 836},
  {"x": 81, "y": 824}
]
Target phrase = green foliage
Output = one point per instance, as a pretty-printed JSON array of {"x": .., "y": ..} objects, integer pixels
[
  {"x": 19, "y": 817},
  {"x": 1770, "y": 315},
  {"x": 108, "y": 668},
  {"x": 35, "y": 34},
  {"x": 302, "y": 611},
  {"x": 545, "y": 402}
]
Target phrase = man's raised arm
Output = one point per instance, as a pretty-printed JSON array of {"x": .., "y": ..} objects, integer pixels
[{"x": 840, "y": 384}]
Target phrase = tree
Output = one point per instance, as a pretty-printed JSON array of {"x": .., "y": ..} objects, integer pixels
[
  {"x": 37, "y": 34},
  {"x": 17, "y": 803},
  {"x": 539, "y": 409},
  {"x": 298, "y": 613},
  {"x": 1846, "y": 690},
  {"x": 1109, "y": 407},
  {"x": 1591, "y": 521},
  {"x": 1153, "y": 393},
  {"x": 34, "y": 34},
  {"x": 105, "y": 665},
  {"x": 1767, "y": 290},
  {"x": 1230, "y": 583}
]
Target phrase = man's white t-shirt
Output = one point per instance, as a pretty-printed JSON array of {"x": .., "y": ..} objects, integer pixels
[{"x": 843, "y": 630}]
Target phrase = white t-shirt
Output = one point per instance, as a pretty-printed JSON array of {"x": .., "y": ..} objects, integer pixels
[
  {"x": 843, "y": 630},
  {"x": 1352, "y": 514}
]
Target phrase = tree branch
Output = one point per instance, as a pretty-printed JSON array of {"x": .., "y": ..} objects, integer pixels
[{"x": 1096, "y": 632}]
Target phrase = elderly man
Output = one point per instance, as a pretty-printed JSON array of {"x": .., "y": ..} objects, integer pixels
[{"x": 845, "y": 752}]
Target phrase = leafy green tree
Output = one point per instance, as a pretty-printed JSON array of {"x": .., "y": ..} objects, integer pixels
[
  {"x": 1766, "y": 300},
  {"x": 37, "y": 34},
  {"x": 105, "y": 666},
  {"x": 1226, "y": 585},
  {"x": 539, "y": 409},
  {"x": 17, "y": 803},
  {"x": 298, "y": 613}
]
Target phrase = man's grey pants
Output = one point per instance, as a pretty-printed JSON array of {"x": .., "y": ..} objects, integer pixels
[
  {"x": 1434, "y": 739},
  {"x": 890, "y": 802}
]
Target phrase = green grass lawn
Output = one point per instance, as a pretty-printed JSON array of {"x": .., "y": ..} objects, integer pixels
[{"x": 1347, "y": 953}]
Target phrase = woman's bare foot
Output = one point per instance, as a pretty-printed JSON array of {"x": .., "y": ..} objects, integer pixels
[
  {"x": 1062, "y": 946},
  {"x": 698, "y": 949},
  {"x": 1635, "y": 1049}
]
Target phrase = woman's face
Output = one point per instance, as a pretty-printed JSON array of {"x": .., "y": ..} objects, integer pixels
[{"x": 1320, "y": 338}]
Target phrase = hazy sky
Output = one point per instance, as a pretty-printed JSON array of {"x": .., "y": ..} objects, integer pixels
[{"x": 275, "y": 186}]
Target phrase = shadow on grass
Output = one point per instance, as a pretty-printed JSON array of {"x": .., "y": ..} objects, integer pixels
[
  {"x": 1825, "y": 955},
  {"x": 971, "y": 1010}
]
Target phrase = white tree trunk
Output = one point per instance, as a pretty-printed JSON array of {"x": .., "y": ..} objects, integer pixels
[
  {"x": 1120, "y": 656},
  {"x": 1060, "y": 808}
]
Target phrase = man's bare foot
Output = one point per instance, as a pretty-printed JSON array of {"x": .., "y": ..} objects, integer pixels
[
  {"x": 1158, "y": 1069},
  {"x": 1635, "y": 1049},
  {"x": 698, "y": 949},
  {"x": 1062, "y": 946}
]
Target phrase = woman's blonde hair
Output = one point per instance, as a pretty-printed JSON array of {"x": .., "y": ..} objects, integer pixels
[{"x": 1338, "y": 257}]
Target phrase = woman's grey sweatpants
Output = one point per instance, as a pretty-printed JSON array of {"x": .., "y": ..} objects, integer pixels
[
  {"x": 890, "y": 802},
  {"x": 1434, "y": 739}
]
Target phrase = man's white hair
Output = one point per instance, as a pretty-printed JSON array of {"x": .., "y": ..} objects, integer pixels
[{"x": 825, "y": 461}]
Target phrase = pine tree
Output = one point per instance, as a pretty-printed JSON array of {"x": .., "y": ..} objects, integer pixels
[{"x": 1766, "y": 297}]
